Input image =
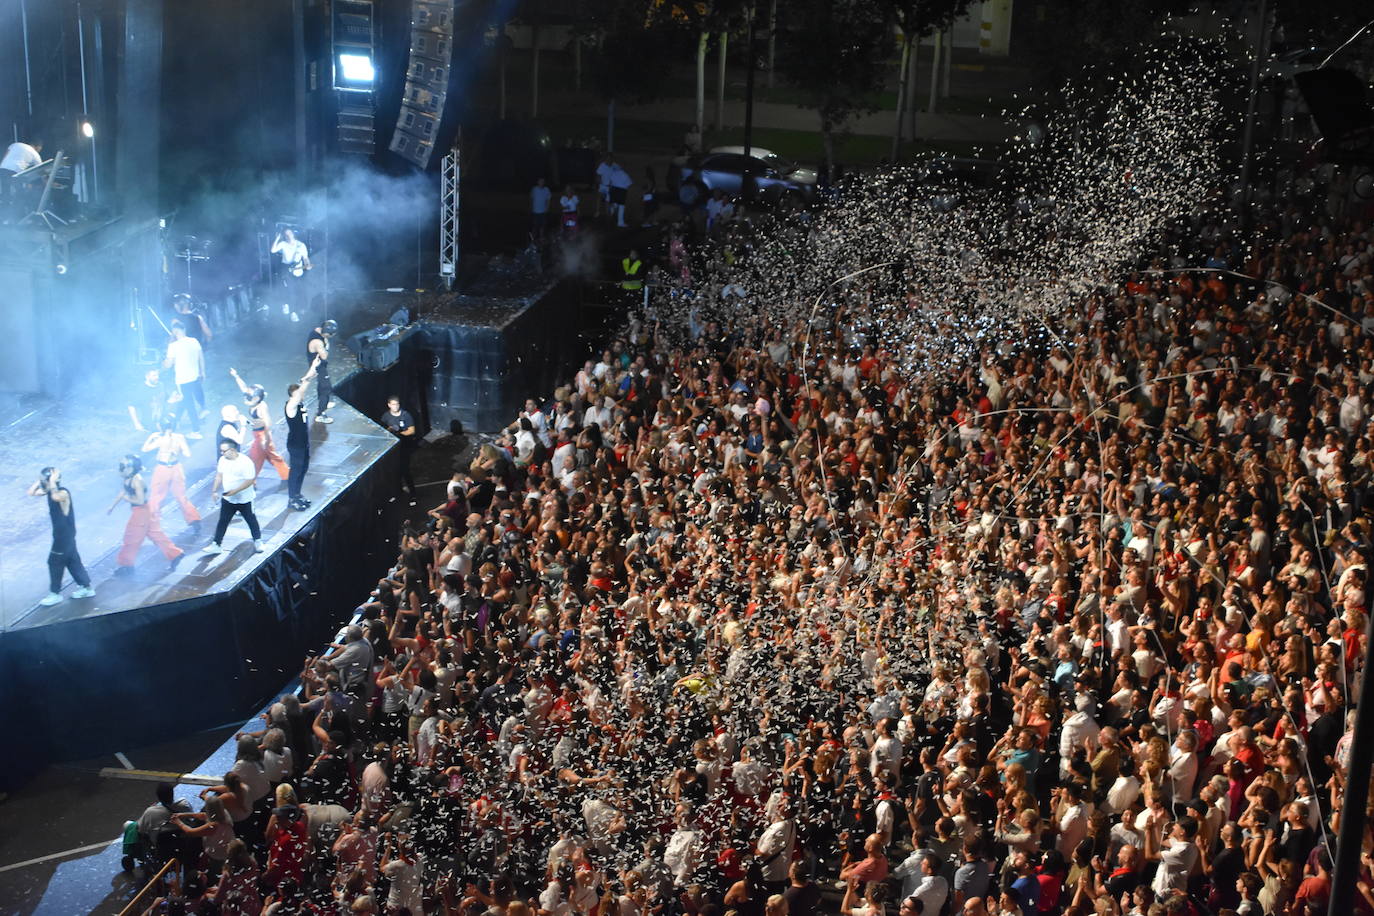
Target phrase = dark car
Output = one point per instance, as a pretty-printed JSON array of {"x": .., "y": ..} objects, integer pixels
[
  {"x": 947, "y": 181},
  {"x": 723, "y": 169}
]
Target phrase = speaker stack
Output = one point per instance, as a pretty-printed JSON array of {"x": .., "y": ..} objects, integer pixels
[{"x": 422, "y": 105}]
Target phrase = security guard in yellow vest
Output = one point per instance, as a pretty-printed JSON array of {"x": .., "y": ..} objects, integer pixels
[{"x": 630, "y": 267}]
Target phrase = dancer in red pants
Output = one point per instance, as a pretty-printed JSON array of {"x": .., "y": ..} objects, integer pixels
[
  {"x": 168, "y": 474},
  {"x": 263, "y": 448},
  {"x": 143, "y": 522}
]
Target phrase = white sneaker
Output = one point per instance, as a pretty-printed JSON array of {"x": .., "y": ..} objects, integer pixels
[
  {"x": 50, "y": 599},
  {"x": 84, "y": 591},
  {"x": 286, "y": 308},
  {"x": 332, "y": 404},
  {"x": 321, "y": 418},
  {"x": 295, "y": 317},
  {"x": 212, "y": 547},
  {"x": 258, "y": 547}
]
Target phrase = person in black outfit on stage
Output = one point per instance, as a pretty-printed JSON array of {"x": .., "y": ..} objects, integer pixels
[
  {"x": 317, "y": 351},
  {"x": 402, "y": 425},
  {"x": 63, "y": 556},
  {"x": 298, "y": 438}
]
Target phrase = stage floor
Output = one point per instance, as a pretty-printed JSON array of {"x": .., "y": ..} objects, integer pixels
[{"x": 88, "y": 432}]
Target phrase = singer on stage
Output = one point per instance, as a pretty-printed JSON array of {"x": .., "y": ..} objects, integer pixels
[
  {"x": 63, "y": 556},
  {"x": 295, "y": 261}
]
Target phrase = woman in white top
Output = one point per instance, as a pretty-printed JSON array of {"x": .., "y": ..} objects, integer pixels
[
  {"x": 278, "y": 763},
  {"x": 248, "y": 767},
  {"x": 214, "y": 828}
]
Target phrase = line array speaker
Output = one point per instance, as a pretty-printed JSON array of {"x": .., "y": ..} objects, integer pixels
[{"x": 422, "y": 104}]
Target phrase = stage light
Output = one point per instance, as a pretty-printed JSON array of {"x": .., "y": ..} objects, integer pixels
[
  {"x": 87, "y": 130},
  {"x": 357, "y": 68}
]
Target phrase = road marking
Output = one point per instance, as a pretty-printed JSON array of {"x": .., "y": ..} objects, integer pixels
[
  {"x": 123, "y": 761},
  {"x": 191, "y": 779},
  {"x": 58, "y": 855}
]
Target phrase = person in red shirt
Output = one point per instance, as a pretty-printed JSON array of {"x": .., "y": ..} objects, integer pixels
[
  {"x": 1248, "y": 754},
  {"x": 872, "y": 867}
]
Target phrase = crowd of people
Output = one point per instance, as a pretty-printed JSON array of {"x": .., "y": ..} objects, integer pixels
[{"x": 750, "y": 621}]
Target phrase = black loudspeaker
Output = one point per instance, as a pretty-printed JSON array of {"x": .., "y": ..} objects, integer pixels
[
  {"x": 379, "y": 355},
  {"x": 353, "y": 41},
  {"x": 422, "y": 104}
]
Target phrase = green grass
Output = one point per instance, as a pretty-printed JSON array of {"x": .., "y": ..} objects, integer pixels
[
  {"x": 882, "y": 101},
  {"x": 799, "y": 145}
]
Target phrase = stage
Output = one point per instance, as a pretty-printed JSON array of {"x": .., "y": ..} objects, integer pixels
[
  {"x": 86, "y": 434},
  {"x": 159, "y": 651},
  {"x": 163, "y": 651}
]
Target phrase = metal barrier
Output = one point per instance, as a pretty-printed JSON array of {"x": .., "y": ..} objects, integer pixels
[{"x": 132, "y": 908}]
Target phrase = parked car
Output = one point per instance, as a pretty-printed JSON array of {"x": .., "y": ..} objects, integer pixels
[{"x": 724, "y": 168}]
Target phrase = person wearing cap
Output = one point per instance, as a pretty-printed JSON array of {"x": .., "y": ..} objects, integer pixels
[{"x": 317, "y": 355}]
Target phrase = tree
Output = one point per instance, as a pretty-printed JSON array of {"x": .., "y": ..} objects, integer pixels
[
  {"x": 630, "y": 50},
  {"x": 916, "y": 19},
  {"x": 1062, "y": 36},
  {"x": 833, "y": 52},
  {"x": 703, "y": 18}
]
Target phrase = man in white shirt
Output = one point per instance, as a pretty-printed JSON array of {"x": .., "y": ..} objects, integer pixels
[
  {"x": 234, "y": 477},
  {"x": 186, "y": 359},
  {"x": 620, "y": 182},
  {"x": 1079, "y": 727},
  {"x": 1183, "y": 765},
  {"x": 1073, "y": 818},
  {"x": 603, "y": 181},
  {"x": 683, "y": 853},
  {"x": 295, "y": 261},
  {"x": 18, "y": 157},
  {"x": 775, "y": 848},
  {"x": 540, "y": 195},
  {"x": 931, "y": 889},
  {"x": 1177, "y": 855}
]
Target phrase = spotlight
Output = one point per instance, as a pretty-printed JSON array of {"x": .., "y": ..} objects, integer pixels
[
  {"x": 87, "y": 130},
  {"x": 356, "y": 68}
]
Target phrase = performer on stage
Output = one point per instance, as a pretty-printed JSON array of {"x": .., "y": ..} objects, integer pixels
[
  {"x": 18, "y": 157},
  {"x": 260, "y": 421},
  {"x": 63, "y": 555},
  {"x": 156, "y": 393},
  {"x": 187, "y": 361},
  {"x": 232, "y": 427},
  {"x": 402, "y": 425},
  {"x": 168, "y": 473},
  {"x": 143, "y": 522},
  {"x": 295, "y": 261},
  {"x": 317, "y": 351},
  {"x": 234, "y": 478},
  {"x": 189, "y": 315},
  {"x": 298, "y": 438}
]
